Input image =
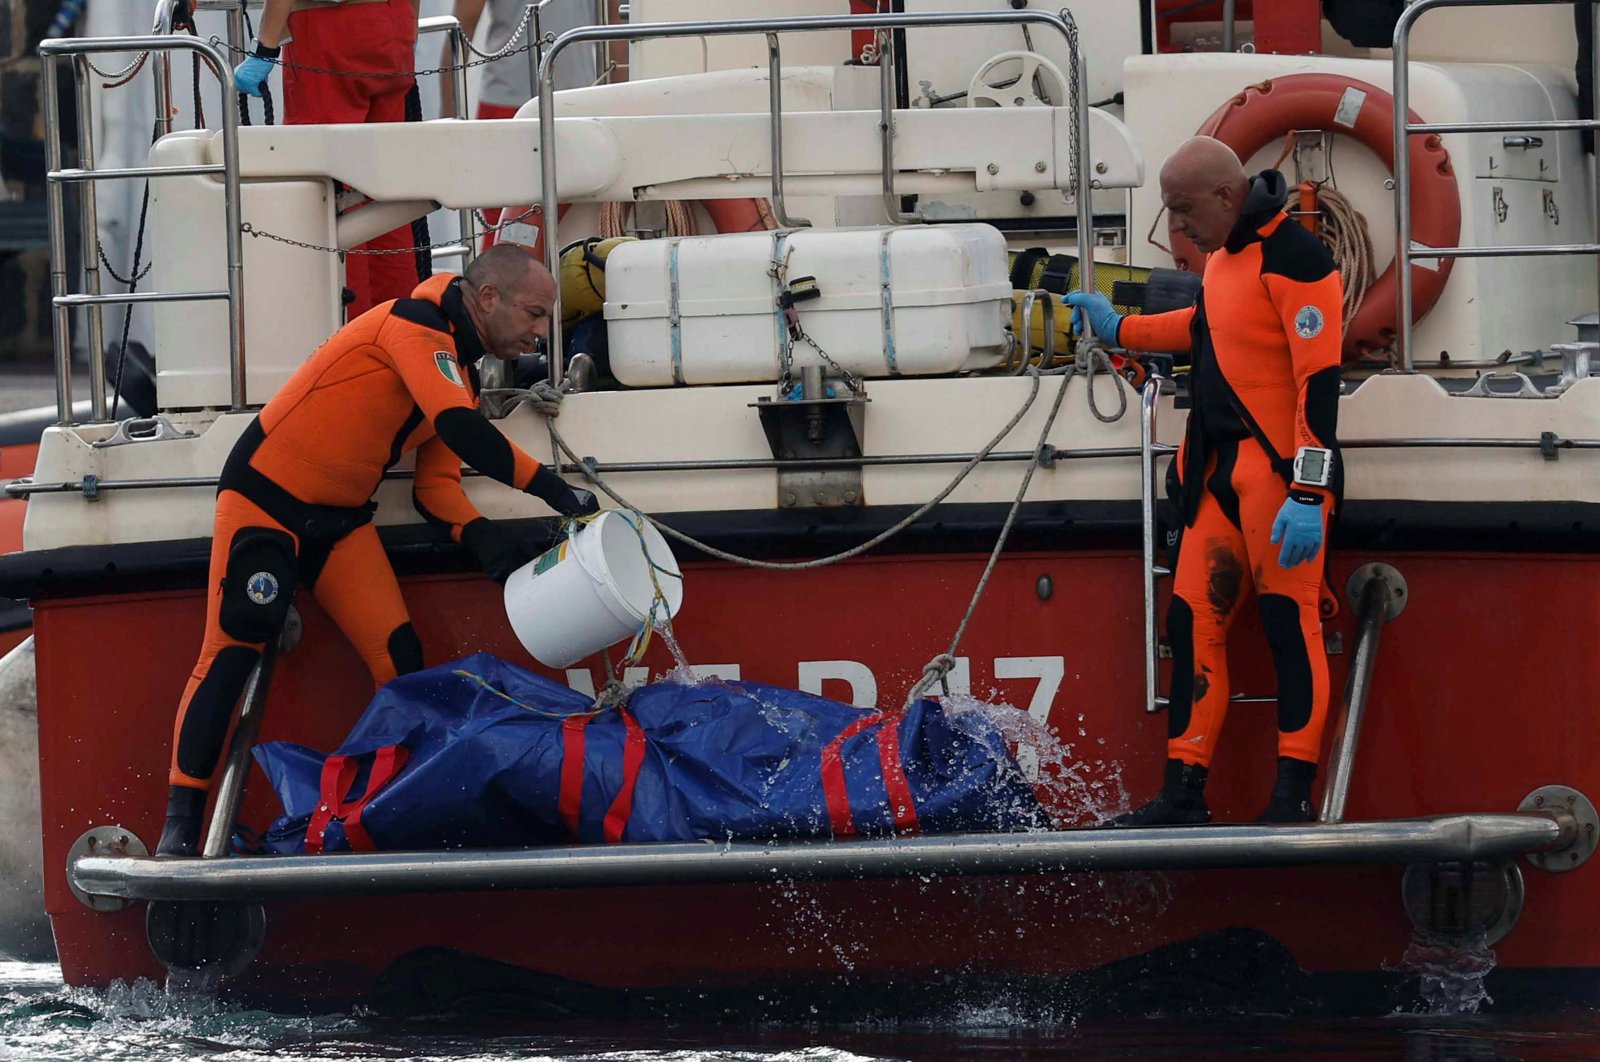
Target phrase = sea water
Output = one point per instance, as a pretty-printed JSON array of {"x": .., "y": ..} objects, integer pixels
[{"x": 41, "y": 1020}]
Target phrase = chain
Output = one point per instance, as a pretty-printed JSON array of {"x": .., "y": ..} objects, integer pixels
[
  {"x": 250, "y": 230},
  {"x": 1085, "y": 208},
  {"x": 508, "y": 51},
  {"x": 505, "y": 49},
  {"x": 844, "y": 373},
  {"x": 123, "y": 76},
  {"x": 118, "y": 277}
]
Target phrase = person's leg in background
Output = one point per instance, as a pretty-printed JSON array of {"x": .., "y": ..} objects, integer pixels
[{"x": 370, "y": 45}]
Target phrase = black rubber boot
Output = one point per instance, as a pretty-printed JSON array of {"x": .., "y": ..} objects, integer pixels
[
  {"x": 1291, "y": 796},
  {"x": 1182, "y": 801},
  {"x": 181, "y": 835}
]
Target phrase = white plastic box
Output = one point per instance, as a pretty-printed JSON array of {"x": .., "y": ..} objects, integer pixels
[{"x": 903, "y": 300}]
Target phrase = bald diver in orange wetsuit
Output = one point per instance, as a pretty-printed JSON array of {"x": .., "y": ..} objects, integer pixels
[
  {"x": 294, "y": 502},
  {"x": 1258, "y": 473}
]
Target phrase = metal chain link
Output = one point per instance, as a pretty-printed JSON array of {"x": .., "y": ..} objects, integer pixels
[
  {"x": 548, "y": 38},
  {"x": 1074, "y": 146},
  {"x": 118, "y": 277},
  {"x": 126, "y": 72},
  {"x": 844, "y": 373},
  {"x": 250, "y": 230},
  {"x": 505, "y": 49}
]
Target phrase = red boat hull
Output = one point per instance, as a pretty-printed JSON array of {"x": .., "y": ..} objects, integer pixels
[{"x": 1478, "y": 700}]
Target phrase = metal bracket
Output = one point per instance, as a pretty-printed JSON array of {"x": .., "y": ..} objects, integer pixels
[
  {"x": 1311, "y": 155},
  {"x": 1577, "y": 361},
  {"x": 142, "y": 429},
  {"x": 805, "y": 429},
  {"x": 1548, "y": 446},
  {"x": 91, "y": 488},
  {"x": 1564, "y": 799},
  {"x": 1502, "y": 209},
  {"x": 1359, "y": 578},
  {"x": 1483, "y": 387},
  {"x": 102, "y": 841}
]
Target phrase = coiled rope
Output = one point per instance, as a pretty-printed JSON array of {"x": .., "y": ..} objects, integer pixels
[{"x": 1344, "y": 230}]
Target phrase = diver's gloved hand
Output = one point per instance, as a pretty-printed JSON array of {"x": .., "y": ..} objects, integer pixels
[
  {"x": 545, "y": 398},
  {"x": 1299, "y": 528},
  {"x": 554, "y": 492},
  {"x": 1102, "y": 317},
  {"x": 250, "y": 75},
  {"x": 498, "y": 551}
]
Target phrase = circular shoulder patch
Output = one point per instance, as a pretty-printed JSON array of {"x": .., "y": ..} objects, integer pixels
[
  {"x": 262, "y": 588},
  {"x": 1308, "y": 322}
]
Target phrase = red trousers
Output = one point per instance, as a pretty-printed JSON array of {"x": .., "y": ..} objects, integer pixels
[{"x": 373, "y": 44}]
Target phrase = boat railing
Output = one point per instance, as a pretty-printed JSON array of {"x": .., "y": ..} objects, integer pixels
[
  {"x": 770, "y": 28},
  {"x": 1408, "y": 253},
  {"x": 63, "y": 299},
  {"x": 160, "y": 45}
]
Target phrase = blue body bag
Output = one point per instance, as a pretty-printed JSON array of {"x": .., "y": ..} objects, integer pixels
[{"x": 482, "y": 754}]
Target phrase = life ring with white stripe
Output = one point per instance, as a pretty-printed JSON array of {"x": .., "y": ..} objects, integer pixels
[{"x": 1265, "y": 113}]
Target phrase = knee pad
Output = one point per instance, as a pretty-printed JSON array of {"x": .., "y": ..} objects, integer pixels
[
  {"x": 1180, "y": 635},
  {"x": 259, "y": 585},
  {"x": 1291, "y": 657},
  {"x": 210, "y": 711},
  {"x": 405, "y": 650}
]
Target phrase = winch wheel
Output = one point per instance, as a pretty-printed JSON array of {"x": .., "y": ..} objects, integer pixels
[{"x": 1018, "y": 79}]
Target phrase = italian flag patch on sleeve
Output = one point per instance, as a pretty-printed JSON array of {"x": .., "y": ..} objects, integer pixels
[{"x": 448, "y": 368}]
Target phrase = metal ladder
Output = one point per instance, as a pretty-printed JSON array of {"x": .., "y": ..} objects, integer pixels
[
  {"x": 63, "y": 299},
  {"x": 1405, "y": 251},
  {"x": 161, "y": 43}
]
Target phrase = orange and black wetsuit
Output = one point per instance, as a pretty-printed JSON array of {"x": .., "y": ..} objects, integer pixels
[
  {"x": 294, "y": 502},
  {"x": 1265, "y": 336}
]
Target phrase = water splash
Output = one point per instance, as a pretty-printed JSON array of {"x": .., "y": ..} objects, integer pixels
[
  {"x": 1077, "y": 791},
  {"x": 1451, "y": 971},
  {"x": 682, "y": 672}
]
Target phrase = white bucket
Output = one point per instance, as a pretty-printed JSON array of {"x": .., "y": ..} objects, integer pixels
[{"x": 593, "y": 590}]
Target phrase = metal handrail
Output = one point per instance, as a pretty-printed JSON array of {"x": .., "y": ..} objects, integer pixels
[
  {"x": 51, "y": 52},
  {"x": 21, "y": 488},
  {"x": 763, "y": 27},
  {"x": 457, "y": 40},
  {"x": 1378, "y": 604},
  {"x": 780, "y": 209},
  {"x": 1149, "y": 398},
  {"x": 1447, "y": 838},
  {"x": 1404, "y": 129}
]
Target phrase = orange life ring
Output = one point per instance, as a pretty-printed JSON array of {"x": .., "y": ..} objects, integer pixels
[
  {"x": 728, "y": 215},
  {"x": 1264, "y": 114}
]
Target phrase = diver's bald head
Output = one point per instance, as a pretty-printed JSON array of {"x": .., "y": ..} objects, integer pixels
[
  {"x": 511, "y": 295},
  {"x": 1204, "y": 186}
]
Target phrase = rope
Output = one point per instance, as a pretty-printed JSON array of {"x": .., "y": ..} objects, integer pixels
[
  {"x": 1344, "y": 229},
  {"x": 937, "y": 669},
  {"x": 515, "y": 396},
  {"x": 614, "y": 219},
  {"x": 1092, "y": 360}
]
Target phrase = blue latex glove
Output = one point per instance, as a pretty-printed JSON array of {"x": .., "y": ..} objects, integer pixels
[
  {"x": 250, "y": 75},
  {"x": 1299, "y": 528},
  {"x": 1102, "y": 318}
]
